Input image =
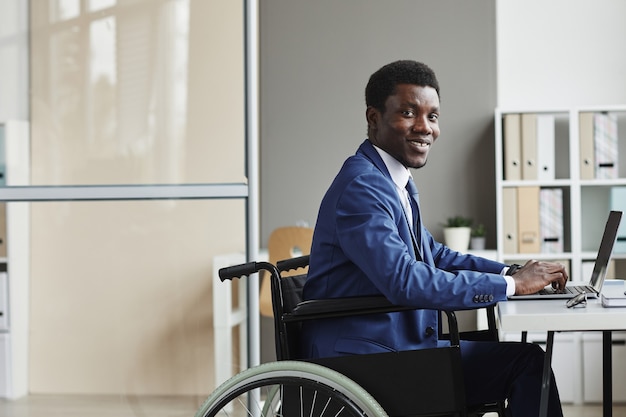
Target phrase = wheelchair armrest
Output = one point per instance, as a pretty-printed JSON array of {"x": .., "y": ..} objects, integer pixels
[
  {"x": 489, "y": 334},
  {"x": 352, "y": 306},
  {"x": 337, "y": 307},
  {"x": 293, "y": 263}
]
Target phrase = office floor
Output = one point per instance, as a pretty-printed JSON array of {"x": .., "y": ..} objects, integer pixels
[
  {"x": 99, "y": 406},
  {"x": 116, "y": 406}
]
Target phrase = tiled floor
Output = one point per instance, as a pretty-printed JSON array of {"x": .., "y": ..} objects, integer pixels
[
  {"x": 99, "y": 406},
  {"x": 127, "y": 406},
  {"x": 593, "y": 410}
]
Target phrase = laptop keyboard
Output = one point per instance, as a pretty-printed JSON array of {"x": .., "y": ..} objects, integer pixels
[{"x": 574, "y": 289}]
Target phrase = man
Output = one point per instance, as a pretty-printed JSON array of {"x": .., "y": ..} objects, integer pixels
[{"x": 369, "y": 239}]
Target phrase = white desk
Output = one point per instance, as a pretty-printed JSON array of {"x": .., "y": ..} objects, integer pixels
[{"x": 553, "y": 316}]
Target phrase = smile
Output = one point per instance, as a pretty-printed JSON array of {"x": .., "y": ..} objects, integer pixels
[{"x": 420, "y": 143}]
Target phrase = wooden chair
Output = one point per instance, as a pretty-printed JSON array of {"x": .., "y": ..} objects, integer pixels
[{"x": 284, "y": 243}]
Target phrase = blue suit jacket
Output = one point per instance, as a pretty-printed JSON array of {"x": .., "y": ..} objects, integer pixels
[{"x": 362, "y": 246}]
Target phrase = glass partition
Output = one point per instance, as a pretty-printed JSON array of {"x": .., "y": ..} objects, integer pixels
[
  {"x": 137, "y": 110},
  {"x": 137, "y": 92},
  {"x": 121, "y": 295}
]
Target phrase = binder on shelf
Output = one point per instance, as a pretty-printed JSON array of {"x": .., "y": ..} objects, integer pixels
[
  {"x": 529, "y": 146},
  {"x": 585, "y": 135},
  {"x": 545, "y": 147},
  {"x": 605, "y": 145},
  {"x": 512, "y": 147},
  {"x": 4, "y": 302},
  {"x": 551, "y": 220},
  {"x": 509, "y": 219},
  {"x": 524, "y": 135},
  {"x": 3, "y": 159},
  {"x": 528, "y": 220},
  {"x": 618, "y": 202},
  {"x": 3, "y": 230}
]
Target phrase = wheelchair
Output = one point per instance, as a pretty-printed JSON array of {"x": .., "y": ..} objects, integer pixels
[{"x": 425, "y": 382}]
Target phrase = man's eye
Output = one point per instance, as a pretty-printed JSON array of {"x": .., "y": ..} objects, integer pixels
[
  {"x": 408, "y": 113},
  {"x": 434, "y": 116}
]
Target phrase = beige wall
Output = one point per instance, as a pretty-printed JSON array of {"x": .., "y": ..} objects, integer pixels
[{"x": 121, "y": 291}]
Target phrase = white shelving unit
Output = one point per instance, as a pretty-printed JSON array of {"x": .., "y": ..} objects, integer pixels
[
  {"x": 15, "y": 262},
  {"x": 586, "y": 202}
]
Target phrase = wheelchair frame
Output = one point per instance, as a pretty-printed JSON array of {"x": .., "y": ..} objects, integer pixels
[{"x": 339, "y": 385}]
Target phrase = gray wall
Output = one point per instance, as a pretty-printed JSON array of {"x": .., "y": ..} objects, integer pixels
[{"x": 316, "y": 57}]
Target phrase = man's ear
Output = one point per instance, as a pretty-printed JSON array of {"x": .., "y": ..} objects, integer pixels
[{"x": 372, "y": 115}]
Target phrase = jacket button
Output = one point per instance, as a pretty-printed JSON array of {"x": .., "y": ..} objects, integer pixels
[
  {"x": 476, "y": 298},
  {"x": 490, "y": 297},
  {"x": 430, "y": 331}
]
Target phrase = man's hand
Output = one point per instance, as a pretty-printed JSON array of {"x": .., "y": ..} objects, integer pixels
[{"x": 535, "y": 275}]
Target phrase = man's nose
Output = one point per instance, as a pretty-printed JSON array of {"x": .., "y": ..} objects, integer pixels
[{"x": 422, "y": 125}]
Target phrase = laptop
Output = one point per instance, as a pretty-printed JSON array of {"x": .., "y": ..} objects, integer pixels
[{"x": 603, "y": 258}]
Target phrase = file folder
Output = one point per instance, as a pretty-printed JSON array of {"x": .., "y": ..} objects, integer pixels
[
  {"x": 528, "y": 220},
  {"x": 551, "y": 220},
  {"x": 3, "y": 230},
  {"x": 4, "y": 302},
  {"x": 545, "y": 147},
  {"x": 618, "y": 203},
  {"x": 3, "y": 159},
  {"x": 512, "y": 147},
  {"x": 585, "y": 136},
  {"x": 605, "y": 145},
  {"x": 529, "y": 146},
  {"x": 509, "y": 220}
]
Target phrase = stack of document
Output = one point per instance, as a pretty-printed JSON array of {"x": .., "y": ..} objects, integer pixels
[{"x": 613, "y": 294}]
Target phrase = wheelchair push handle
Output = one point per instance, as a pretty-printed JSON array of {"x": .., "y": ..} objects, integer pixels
[
  {"x": 293, "y": 263},
  {"x": 249, "y": 268}
]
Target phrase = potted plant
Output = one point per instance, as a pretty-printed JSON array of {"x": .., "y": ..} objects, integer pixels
[
  {"x": 478, "y": 237},
  {"x": 456, "y": 233}
]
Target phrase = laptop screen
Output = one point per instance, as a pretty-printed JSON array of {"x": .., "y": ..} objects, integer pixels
[{"x": 606, "y": 250}]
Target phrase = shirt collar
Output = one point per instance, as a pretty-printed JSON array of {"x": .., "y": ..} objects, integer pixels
[{"x": 399, "y": 173}]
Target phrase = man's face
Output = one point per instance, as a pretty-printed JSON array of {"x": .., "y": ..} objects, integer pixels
[{"x": 409, "y": 126}]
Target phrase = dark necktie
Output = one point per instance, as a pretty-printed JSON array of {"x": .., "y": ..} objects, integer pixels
[{"x": 414, "y": 200}]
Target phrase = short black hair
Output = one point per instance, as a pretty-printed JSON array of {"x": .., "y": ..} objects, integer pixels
[{"x": 382, "y": 83}]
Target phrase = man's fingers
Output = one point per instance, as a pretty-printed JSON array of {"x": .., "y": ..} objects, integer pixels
[{"x": 559, "y": 280}]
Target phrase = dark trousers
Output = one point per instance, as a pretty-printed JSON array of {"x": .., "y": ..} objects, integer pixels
[{"x": 495, "y": 371}]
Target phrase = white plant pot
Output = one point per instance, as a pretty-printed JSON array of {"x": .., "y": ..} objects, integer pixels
[
  {"x": 478, "y": 243},
  {"x": 457, "y": 238}
]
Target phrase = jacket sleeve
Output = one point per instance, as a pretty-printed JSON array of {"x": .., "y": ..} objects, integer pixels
[{"x": 373, "y": 233}]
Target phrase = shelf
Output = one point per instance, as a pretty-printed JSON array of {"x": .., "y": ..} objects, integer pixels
[
  {"x": 551, "y": 157},
  {"x": 537, "y": 256},
  {"x": 538, "y": 183}
]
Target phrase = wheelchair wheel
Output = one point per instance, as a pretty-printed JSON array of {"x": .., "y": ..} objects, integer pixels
[{"x": 290, "y": 388}]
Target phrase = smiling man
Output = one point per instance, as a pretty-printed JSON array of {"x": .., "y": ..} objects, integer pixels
[{"x": 369, "y": 240}]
